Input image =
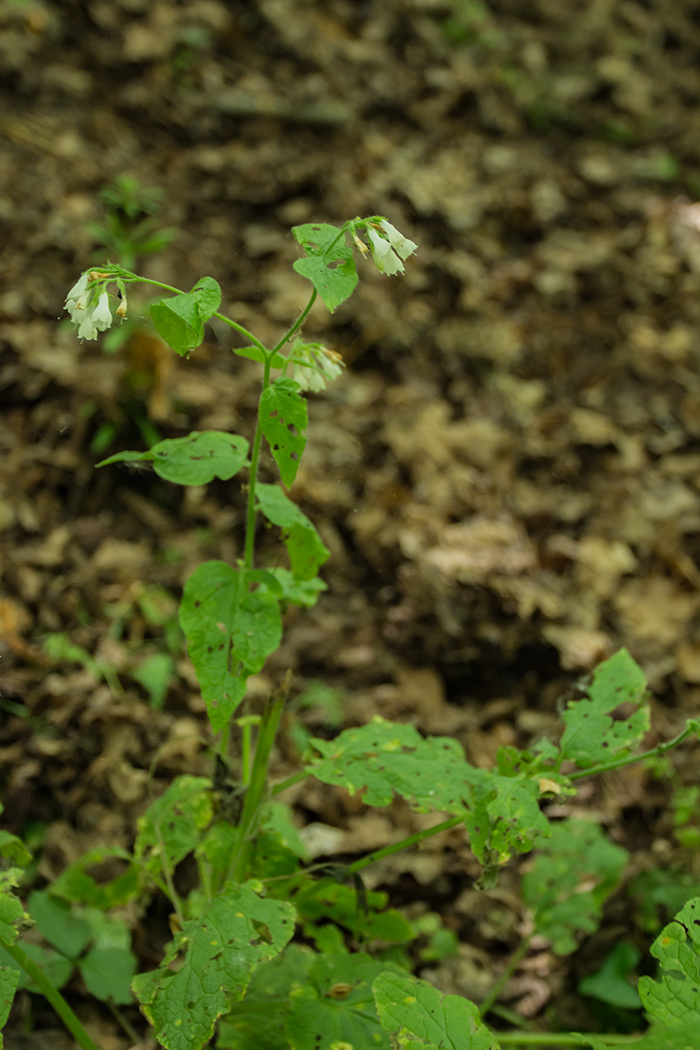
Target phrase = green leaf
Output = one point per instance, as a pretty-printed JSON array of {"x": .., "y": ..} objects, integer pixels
[
  {"x": 14, "y": 850},
  {"x": 307, "y": 552},
  {"x": 336, "y": 1005},
  {"x": 366, "y": 918},
  {"x": 12, "y": 914},
  {"x": 591, "y": 735},
  {"x": 76, "y": 883},
  {"x": 278, "y": 508},
  {"x": 409, "y": 1007},
  {"x": 297, "y": 592},
  {"x": 9, "y": 977},
  {"x": 254, "y": 353},
  {"x": 260, "y": 1023},
  {"x": 108, "y": 968},
  {"x": 171, "y": 826},
  {"x": 193, "y": 460},
  {"x": 55, "y": 966},
  {"x": 179, "y": 322},
  {"x": 382, "y": 759},
  {"x": 57, "y": 923},
  {"x": 283, "y": 420},
  {"x": 658, "y": 1037},
  {"x": 230, "y": 633},
  {"x": 215, "y": 956},
  {"x": 207, "y": 294},
  {"x": 329, "y": 265},
  {"x": 575, "y": 871},
  {"x": 609, "y": 984},
  {"x": 675, "y": 999},
  {"x": 155, "y": 674},
  {"x": 108, "y": 973}
]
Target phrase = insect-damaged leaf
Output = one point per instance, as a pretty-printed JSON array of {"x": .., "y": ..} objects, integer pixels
[
  {"x": 329, "y": 264},
  {"x": 283, "y": 420},
  {"x": 193, "y": 460},
  {"x": 215, "y": 955},
  {"x": 230, "y": 633},
  {"x": 591, "y": 735}
]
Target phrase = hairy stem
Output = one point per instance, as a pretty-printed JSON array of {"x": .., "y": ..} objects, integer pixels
[{"x": 52, "y": 994}]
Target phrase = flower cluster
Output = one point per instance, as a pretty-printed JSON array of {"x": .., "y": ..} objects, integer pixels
[
  {"x": 315, "y": 365},
  {"x": 88, "y": 306},
  {"x": 389, "y": 248}
]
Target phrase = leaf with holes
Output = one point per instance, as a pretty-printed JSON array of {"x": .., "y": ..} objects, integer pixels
[
  {"x": 230, "y": 633},
  {"x": 171, "y": 826},
  {"x": 675, "y": 999},
  {"x": 574, "y": 872},
  {"x": 383, "y": 758},
  {"x": 214, "y": 957},
  {"x": 591, "y": 735},
  {"x": 409, "y": 1007},
  {"x": 336, "y": 1008},
  {"x": 329, "y": 264},
  {"x": 283, "y": 420},
  {"x": 193, "y": 460}
]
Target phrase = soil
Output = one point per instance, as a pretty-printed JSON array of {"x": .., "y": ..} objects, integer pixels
[{"x": 507, "y": 476}]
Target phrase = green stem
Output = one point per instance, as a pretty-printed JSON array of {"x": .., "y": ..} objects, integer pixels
[
  {"x": 502, "y": 981},
  {"x": 654, "y": 752},
  {"x": 258, "y": 780},
  {"x": 412, "y": 840},
  {"x": 297, "y": 324},
  {"x": 52, "y": 994},
  {"x": 119, "y": 1017},
  {"x": 254, "y": 460}
]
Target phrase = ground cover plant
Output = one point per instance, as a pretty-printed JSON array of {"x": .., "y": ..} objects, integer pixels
[{"x": 233, "y": 969}]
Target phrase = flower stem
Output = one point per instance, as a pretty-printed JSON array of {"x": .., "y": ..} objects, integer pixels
[
  {"x": 297, "y": 324},
  {"x": 52, "y": 994},
  {"x": 221, "y": 317}
]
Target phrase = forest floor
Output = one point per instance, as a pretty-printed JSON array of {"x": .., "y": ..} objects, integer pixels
[{"x": 507, "y": 476}]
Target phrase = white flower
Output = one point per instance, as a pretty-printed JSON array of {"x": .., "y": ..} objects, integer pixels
[
  {"x": 309, "y": 378},
  {"x": 75, "y": 297},
  {"x": 384, "y": 256},
  {"x": 92, "y": 316},
  {"x": 401, "y": 245},
  {"x": 323, "y": 366}
]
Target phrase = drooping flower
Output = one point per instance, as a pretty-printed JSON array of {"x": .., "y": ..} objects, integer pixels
[
  {"x": 315, "y": 365},
  {"x": 89, "y": 311},
  {"x": 385, "y": 258},
  {"x": 403, "y": 246}
]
